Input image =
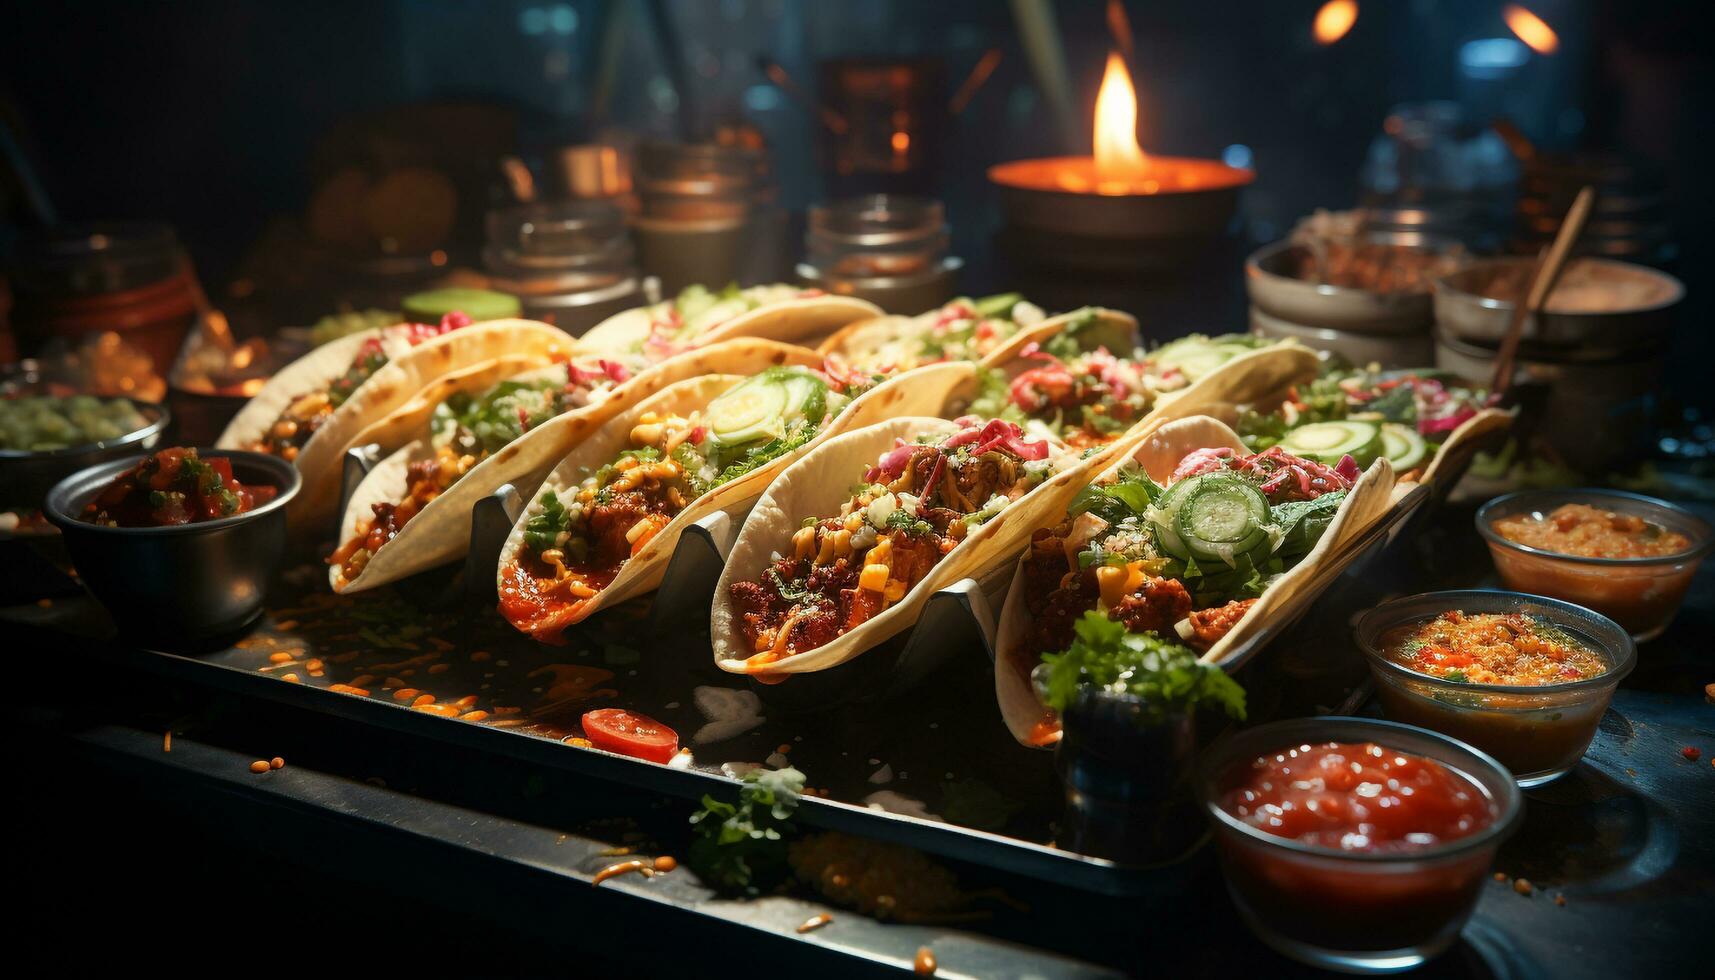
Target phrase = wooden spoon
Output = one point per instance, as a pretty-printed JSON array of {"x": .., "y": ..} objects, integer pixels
[{"x": 1547, "y": 273}]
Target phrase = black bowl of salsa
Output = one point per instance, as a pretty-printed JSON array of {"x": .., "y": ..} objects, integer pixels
[{"x": 179, "y": 545}]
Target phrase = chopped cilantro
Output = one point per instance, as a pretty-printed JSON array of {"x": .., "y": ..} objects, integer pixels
[
  {"x": 1165, "y": 674},
  {"x": 740, "y": 847},
  {"x": 542, "y": 530}
]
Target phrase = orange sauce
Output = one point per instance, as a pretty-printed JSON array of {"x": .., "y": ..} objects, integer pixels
[{"x": 623, "y": 867}]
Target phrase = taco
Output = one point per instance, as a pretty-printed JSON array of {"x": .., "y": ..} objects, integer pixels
[
  {"x": 1191, "y": 538},
  {"x": 974, "y": 330},
  {"x": 699, "y": 316},
  {"x": 412, "y": 511},
  {"x": 848, "y": 543},
  {"x": 1073, "y": 387},
  {"x": 319, "y": 405},
  {"x": 607, "y": 519},
  {"x": 1417, "y": 419}
]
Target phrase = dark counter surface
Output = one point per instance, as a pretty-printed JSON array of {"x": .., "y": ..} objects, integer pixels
[{"x": 433, "y": 845}]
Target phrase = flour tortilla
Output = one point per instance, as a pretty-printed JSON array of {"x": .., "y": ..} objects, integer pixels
[
  {"x": 868, "y": 341},
  {"x": 784, "y": 316},
  {"x": 469, "y": 353},
  {"x": 441, "y": 531},
  {"x": 911, "y": 392},
  {"x": 817, "y": 484},
  {"x": 1159, "y": 454}
]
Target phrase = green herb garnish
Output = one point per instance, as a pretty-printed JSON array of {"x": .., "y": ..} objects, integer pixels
[
  {"x": 741, "y": 847},
  {"x": 1165, "y": 674}
]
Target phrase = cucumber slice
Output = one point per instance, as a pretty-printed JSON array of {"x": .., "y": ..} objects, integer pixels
[
  {"x": 752, "y": 409},
  {"x": 996, "y": 306},
  {"x": 1196, "y": 355},
  {"x": 764, "y": 406},
  {"x": 1223, "y": 516},
  {"x": 806, "y": 394},
  {"x": 1403, "y": 447},
  {"x": 1326, "y": 442}
]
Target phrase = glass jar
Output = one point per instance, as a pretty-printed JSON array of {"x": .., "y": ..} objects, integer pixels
[
  {"x": 887, "y": 249},
  {"x": 131, "y": 279},
  {"x": 709, "y": 214},
  {"x": 570, "y": 263}
]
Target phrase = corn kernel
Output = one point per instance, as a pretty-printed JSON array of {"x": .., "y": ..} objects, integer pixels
[{"x": 873, "y": 578}]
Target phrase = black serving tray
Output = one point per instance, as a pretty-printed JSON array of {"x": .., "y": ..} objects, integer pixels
[{"x": 932, "y": 768}]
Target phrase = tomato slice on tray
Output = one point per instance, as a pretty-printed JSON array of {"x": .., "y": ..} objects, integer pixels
[{"x": 627, "y": 733}]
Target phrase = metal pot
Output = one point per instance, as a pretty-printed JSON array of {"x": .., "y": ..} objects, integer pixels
[
  {"x": 1467, "y": 308},
  {"x": 170, "y": 587}
]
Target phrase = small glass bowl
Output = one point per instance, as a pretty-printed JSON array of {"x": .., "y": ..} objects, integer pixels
[
  {"x": 1641, "y": 594},
  {"x": 1355, "y": 911},
  {"x": 1539, "y": 732}
]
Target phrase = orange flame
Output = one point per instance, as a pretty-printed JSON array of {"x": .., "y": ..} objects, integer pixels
[
  {"x": 1531, "y": 29},
  {"x": 1333, "y": 20},
  {"x": 1118, "y": 155}
]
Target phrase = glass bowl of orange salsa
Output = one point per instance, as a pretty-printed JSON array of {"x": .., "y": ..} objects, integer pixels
[
  {"x": 1625, "y": 555},
  {"x": 1524, "y": 678}
]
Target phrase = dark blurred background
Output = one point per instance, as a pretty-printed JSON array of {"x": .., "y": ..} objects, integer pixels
[{"x": 263, "y": 133}]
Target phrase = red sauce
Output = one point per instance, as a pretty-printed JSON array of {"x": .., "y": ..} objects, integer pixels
[
  {"x": 175, "y": 486},
  {"x": 1358, "y": 797}
]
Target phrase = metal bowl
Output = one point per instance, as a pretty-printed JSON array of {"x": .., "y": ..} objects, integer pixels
[
  {"x": 1389, "y": 350},
  {"x": 1467, "y": 308},
  {"x": 172, "y": 586},
  {"x": 1277, "y": 291},
  {"x": 27, "y": 476}
]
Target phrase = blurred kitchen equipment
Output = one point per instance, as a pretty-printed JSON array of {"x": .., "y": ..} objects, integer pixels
[
  {"x": 885, "y": 119},
  {"x": 709, "y": 214},
  {"x": 1599, "y": 307},
  {"x": 1434, "y": 172},
  {"x": 570, "y": 263},
  {"x": 1595, "y": 414},
  {"x": 133, "y": 279},
  {"x": 587, "y": 171},
  {"x": 1542, "y": 281},
  {"x": 884, "y": 248},
  {"x": 1631, "y": 220}
]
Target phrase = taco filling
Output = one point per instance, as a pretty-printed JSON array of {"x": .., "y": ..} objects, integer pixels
[
  {"x": 912, "y": 507},
  {"x": 1404, "y": 416},
  {"x": 1090, "y": 396},
  {"x": 962, "y": 330},
  {"x": 1186, "y": 560},
  {"x": 306, "y": 413},
  {"x": 584, "y": 535},
  {"x": 468, "y": 428},
  {"x": 676, "y": 326}
]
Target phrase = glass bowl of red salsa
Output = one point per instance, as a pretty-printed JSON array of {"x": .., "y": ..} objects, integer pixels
[
  {"x": 179, "y": 545},
  {"x": 1356, "y": 844},
  {"x": 1625, "y": 555},
  {"x": 1525, "y": 678}
]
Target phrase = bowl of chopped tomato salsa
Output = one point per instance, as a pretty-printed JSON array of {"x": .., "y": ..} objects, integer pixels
[
  {"x": 179, "y": 545},
  {"x": 1625, "y": 555},
  {"x": 1522, "y": 677},
  {"x": 1356, "y": 844}
]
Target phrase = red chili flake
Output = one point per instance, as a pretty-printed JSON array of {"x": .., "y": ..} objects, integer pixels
[{"x": 1691, "y": 752}]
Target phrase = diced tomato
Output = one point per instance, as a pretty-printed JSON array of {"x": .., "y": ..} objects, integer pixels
[
  {"x": 639, "y": 736},
  {"x": 863, "y": 604}
]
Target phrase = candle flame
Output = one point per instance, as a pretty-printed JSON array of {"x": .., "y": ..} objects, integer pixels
[
  {"x": 1531, "y": 29},
  {"x": 1118, "y": 155},
  {"x": 1333, "y": 20}
]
